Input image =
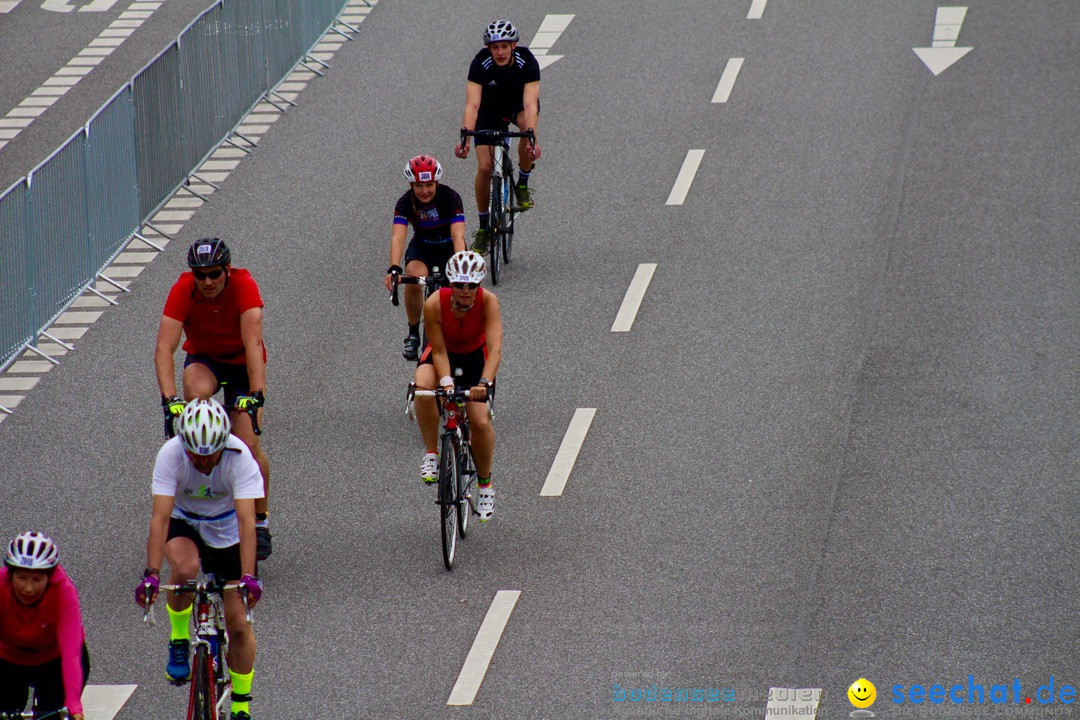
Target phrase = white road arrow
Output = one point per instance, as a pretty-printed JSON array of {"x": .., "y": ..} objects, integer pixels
[
  {"x": 550, "y": 30},
  {"x": 944, "y": 52}
]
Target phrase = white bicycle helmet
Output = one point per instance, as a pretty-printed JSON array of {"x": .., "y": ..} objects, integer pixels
[
  {"x": 32, "y": 551},
  {"x": 500, "y": 31},
  {"x": 466, "y": 266},
  {"x": 204, "y": 426}
]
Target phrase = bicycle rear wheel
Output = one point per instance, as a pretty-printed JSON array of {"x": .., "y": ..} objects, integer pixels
[
  {"x": 202, "y": 704},
  {"x": 448, "y": 483},
  {"x": 495, "y": 217}
]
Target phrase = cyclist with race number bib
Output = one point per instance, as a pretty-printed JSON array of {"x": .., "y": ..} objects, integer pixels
[
  {"x": 465, "y": 334},
  {"x": 438, "y": 219},
  {"x": 206, "y": 483},
  {"x": 219, "y": 310},
  {"x": 503, "y": 88},
  {"x": 42, "y": 640}
]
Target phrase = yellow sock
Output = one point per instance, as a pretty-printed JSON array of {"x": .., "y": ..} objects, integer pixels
[
  {"x": 180, "y": 620},
  {"x": 241, "y": 685}
]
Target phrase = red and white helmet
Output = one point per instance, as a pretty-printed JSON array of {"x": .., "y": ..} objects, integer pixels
[
  {"x": 467, "y": 267},
  {"x": 423, "y": 168}
]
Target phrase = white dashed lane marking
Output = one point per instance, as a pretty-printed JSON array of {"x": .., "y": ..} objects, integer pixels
[
  {"x": 483, "y": 648},
  {"x": 568, "y": 452},
  {"x": 685, "y": 177},
  {"x": 757, "y": 8},
  {"x": 103, "y": 702},
  {"x": 624, "y": 320},
  {"x": 727, "y": 80}
]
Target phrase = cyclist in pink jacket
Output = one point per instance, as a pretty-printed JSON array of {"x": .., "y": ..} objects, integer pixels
[{"x": 42, "y": 642}]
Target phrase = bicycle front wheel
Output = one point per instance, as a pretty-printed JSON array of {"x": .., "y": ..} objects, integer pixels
[
  {"x": 465, "y": 478},
  {"x": 202, "y": 704},
  {"x": 495, "y": 218},
  {"x": 507, "y": 223},
  {"x": 448, "y": 483}
]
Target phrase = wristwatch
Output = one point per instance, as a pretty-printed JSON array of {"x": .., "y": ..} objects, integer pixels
[{"x": 485, "y": 382}]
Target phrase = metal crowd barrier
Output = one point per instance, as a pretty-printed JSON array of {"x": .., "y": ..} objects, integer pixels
[{"x": 70, "y": 217}]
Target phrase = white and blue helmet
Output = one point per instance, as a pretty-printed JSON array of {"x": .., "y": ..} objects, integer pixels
[
  {"x": 204, "y": 427},
  {"x": 500, "y": 31}
]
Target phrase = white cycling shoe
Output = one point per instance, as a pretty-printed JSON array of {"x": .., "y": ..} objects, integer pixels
[
  {"x": 429, "y": 468},
  {"x": 485, "y": 503}
]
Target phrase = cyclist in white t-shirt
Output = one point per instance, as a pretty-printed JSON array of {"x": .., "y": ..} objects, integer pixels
[{"x": 205, "y": 486}]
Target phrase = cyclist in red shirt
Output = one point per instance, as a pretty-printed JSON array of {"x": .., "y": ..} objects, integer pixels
[
  {"x": 42, "y": 641},
  {"x": 465, "y": 335},
  {"x": 219, "y": 311}
]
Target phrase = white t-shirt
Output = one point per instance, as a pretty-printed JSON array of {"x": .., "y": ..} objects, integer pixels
[{"x": 206, "y": 501}]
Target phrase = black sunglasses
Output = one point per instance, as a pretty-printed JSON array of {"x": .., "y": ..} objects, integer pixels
[
  {"x": 463, "y": 286},
  {"x": 212, "y": 275}
]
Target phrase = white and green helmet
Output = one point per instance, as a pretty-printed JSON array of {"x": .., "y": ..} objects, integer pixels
[{"x": 204, "y": 426}]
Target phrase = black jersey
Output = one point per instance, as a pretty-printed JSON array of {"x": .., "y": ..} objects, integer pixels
[
  {"x": 503, "y": 87},
  {"x": 432, "y": 221}
]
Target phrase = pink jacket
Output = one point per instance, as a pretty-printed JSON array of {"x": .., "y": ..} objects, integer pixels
[{"x": 48, "y": 630}]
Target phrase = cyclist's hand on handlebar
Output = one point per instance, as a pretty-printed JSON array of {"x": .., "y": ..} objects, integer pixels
[
  {"x": 394, "y": 272},
  {"x": 172, "y": 405},
  {"x": 247, "y": 403},
  {"x": 147, "y": 591},
  {"x": 534, "y": 151},
  {"x": 252, "y": 586},
  {"x": 479, "y": 392},
  {"x": 462, "y": 149}
]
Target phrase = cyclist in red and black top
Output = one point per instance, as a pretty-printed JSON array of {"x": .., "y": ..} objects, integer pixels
[
  {"x": 465, "y": 334},
  {"x": 438, "y": 219},
  {"x": 219, "y": 311},
  {"x": 42, "y": 640},
  {"x": 503, "y": 88}
]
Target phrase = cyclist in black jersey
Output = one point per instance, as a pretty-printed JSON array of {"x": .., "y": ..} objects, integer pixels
[
  {"x": 503, "y": 88},
  {"x": 438, "y": 219}
]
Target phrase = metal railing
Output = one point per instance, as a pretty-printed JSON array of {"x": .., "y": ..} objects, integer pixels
[{"x": 69, "y": 218}]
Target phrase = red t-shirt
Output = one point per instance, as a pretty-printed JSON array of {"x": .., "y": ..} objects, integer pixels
[
  {"x": 469, "y": 333},
  {"x": 34, "y": 635},
  {"x": 212, "y": 327}
]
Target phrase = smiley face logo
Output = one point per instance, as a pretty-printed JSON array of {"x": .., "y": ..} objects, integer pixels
[{"x": 862, "y": 693}]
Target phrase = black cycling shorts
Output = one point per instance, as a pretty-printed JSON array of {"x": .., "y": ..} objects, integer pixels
[
  {"x": 231, "y": 377},
  {"x": 470, "y": 364},
  {"x": 224, "y": 563},
  {"x": 496, "y": 120},
  {"x": 47, "y": 680},
  {"x": 431, "y": 254}
]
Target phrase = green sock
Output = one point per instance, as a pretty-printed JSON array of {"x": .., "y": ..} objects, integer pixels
[
  {"x": 483, "y": 482},
  {"x": 241, "y": 685},
  {"x": 180, "y": 620}
]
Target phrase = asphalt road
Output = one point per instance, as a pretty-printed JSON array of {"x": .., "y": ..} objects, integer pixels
[{"x": 838, "y": 442}]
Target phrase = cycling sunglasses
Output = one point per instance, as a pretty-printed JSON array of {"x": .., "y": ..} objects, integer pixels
[
  {"x": 465, "y": 286},
  {"x": 212, "y": 275}
]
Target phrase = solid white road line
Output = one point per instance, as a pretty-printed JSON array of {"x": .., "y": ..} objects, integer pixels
[
  {"x": 568, "y": 452},
  {"x": 756, "y": 9},
  {"x": 727, "y": 80},
  {"x": 632, "y": 300},
  {"x": 787, "y": 703},
  {"x": 685, "y": 177},
  {"x": 483, "y": 648},
  {"x": 102, "y": 702}
]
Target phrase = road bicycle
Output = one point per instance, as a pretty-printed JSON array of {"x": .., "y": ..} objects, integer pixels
[
  {"x": 211, "y": 688},
  {"x": 502, "y": 202},
  {"x": 457, "y": 468},
  {"x": 431, "y": 283}
]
